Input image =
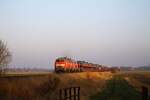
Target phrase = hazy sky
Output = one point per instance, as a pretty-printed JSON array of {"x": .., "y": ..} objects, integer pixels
[{"x": 110, "y": 32}]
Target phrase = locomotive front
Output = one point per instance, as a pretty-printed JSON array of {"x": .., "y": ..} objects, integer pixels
[
  {"x": 64, "y": 64},
  {"x": 59, "y": 65}
]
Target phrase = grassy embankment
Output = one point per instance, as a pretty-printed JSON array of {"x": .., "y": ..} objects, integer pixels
[
  {"x": 46, "y": 86},
  {"x": 124, "y": 86}
]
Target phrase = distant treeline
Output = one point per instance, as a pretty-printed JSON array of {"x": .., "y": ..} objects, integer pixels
[
  {"x": 26, "y": 69},
  {"x": 140, "y": 68}
]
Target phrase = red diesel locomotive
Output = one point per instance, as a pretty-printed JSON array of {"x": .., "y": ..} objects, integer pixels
[{"x": 65, "y": 64}]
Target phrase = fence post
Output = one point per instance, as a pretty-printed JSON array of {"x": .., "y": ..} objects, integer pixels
[
  {"x": 70, "y": 95},
  {"x": 78, "y": 93},
  {"x": 144, "y": 93},
  {"x": 74, "y": 92},
  {"x": 60, "y": 94},
  {"x": 65, "y": 95}
]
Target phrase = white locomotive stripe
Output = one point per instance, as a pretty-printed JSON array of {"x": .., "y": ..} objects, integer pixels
[{"x": 60, "y": 64}]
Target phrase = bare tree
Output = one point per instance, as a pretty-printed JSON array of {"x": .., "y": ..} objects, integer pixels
[{"x": 5, "y": 56}]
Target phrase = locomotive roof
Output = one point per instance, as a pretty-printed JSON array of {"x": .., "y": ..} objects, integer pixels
[{"x": 64, "y": 58}]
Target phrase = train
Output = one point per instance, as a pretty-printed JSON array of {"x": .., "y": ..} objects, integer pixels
[{"x": 65, "y": 64}]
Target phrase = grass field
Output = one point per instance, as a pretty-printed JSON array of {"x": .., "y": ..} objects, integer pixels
[
  {"x": 94, "y": 85},
  {"x": 46, "y": 86},
  {"x": 29, "y": 73},
  {"x": 117, "y": 89},
  {"x": 124, "y": 86}
]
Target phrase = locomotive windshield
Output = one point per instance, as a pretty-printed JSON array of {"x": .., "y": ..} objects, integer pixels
[{"x": 59, "y": 60}]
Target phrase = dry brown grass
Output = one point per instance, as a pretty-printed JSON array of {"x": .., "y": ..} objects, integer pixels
[
  {"x": 137, "y": 78},
  {"x": 27, "y": 87},
  {"x": 90, "y": 82},
  {"x": 46, "y": 87}
]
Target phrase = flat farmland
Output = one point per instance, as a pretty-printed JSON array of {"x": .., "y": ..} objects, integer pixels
[
  {"x": 125, "y": 86},
  {"x": 94, "y": 85},
  {"x": 25, "y": 73},
  {"x": 46, "y": 86},
  {"x": 137, "y": 78}
]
